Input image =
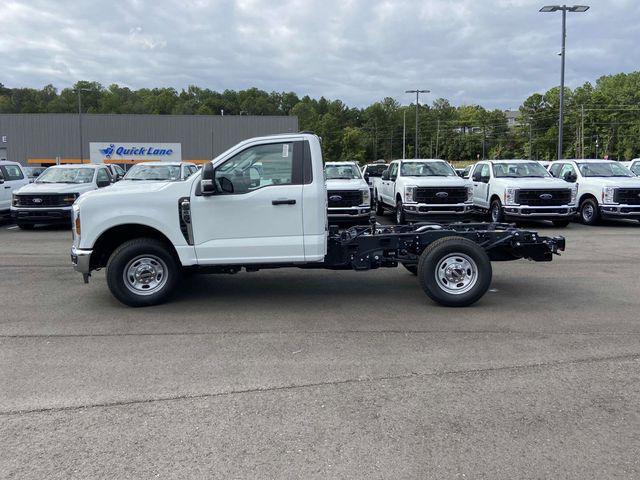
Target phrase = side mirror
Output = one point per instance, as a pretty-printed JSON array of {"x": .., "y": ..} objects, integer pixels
[
  {"x": 366, "y": 177},
  {"x": 103, "y": 183},
  {"x": 569, "y": 177},
  {"x": 484, "y": 178},
  {"x": 207, "y": 182},
  {"x": 1, "y": 179},
  {"x": 385, "y": 175}
]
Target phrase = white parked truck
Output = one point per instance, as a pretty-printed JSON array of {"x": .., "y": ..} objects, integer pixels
[
  {"x": 48, "y": 200},
  {"x": 633, "y": 165},
  {"x": 348, "y": 196},
  {"x": 423, "y": 189},
  {"x": 605, "y": 188},
  {"x": 12, "y": 177},
  {"x": 522, "y": 189},
  {"x": 223, "y": 219}
]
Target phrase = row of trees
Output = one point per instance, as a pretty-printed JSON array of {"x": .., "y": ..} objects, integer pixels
[{"x": 601, "y": 119}]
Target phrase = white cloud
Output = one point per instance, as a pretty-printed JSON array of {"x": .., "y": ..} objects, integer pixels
[{"x": 493, "y": 52}]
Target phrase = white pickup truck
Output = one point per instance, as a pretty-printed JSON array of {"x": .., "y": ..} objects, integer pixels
[
  {"x": 12, "y": 177},
  {"x": 423, "y": 189},
  {"x": 522, "y": 189},
  {"x": 605, "y": 188},
  {"x": 633, "y": 165},
  {"x": 348, "y": 196},
  {"x": 48, "y": 200},
  {"x": 263, "y": 204}
]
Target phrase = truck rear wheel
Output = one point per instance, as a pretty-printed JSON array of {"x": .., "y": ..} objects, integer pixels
[
  {"x": 454, "y": 271},
  {"x": 142, "y": 272}
]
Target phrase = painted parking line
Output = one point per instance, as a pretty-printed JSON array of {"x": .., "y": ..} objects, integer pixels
[{"x": 12, "y": 228}]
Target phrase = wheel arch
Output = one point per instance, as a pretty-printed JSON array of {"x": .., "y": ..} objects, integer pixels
[
  {"x": 116, "y": 235},
  {"x": 493, "y": 197},
  {"x": 586, "y": 196}
]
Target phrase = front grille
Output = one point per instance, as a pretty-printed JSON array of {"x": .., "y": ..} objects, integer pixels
[
  {"x": 46, "y": 200},
  {"x": 543, "y": 198},
  {"x": 344, "y": 198},
  {"x": 436, "y": 195},
  {"x": 627, "y": 196}
]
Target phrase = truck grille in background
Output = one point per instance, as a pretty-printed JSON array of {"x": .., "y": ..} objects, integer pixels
[
  {"x": 344, "y": 198},
  {"x": 47, "y": 200},
  {"x": 549, "y": 198},
  {"x": 628, "y": 196},
  {"x": 436, "y": 195}
]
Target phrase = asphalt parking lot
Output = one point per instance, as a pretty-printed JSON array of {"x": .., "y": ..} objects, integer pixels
[{"x": 320, "y": 374}]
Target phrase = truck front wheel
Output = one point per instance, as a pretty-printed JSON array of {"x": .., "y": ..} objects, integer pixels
[
  {"x": 589, "y": 212},
  {"x": 379, "y": 207},
  {"x": 454, "y": 271},
  {"x": 400, "y": 218},
  {"x": 142, "y": 272}
]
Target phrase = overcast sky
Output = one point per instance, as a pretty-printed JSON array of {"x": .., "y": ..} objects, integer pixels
[{"x": 491, "y": 52}]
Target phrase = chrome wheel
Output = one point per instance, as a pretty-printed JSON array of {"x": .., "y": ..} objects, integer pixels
[
  {"x": 456, "y": 273},
  {"x": 588, "y": 211},
  {"x": 495, "y": 212},
  {"x": 145, "y": 274}
]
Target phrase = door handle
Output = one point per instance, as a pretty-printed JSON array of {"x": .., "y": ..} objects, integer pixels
[
  {"x": 8, "y": 187},
  {"x": 283, "y": 202}
]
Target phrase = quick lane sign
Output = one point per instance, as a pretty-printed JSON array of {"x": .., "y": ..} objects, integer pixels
[{"x": 107, "y": 152}]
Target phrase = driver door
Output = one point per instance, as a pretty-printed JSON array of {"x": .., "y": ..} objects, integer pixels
[
  {"x": 480, "y": 177},
  {"x": 256, "y": 216}
]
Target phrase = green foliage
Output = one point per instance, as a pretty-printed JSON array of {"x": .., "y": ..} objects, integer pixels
[{"x": 611, "y": 119}]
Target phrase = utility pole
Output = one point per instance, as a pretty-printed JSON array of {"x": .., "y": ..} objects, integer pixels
[
  {"x": 564, "y": 9},
  {"x": 484, "y": 137},
  {"x": 404, "y": 131},
  {"x": 437, "y": 137},
  {"x": 79, "y": 91},
  {"x": 582, "y": 131},
  {"x": 417, "y": 92},
  {"x": 530, "y": 142}
]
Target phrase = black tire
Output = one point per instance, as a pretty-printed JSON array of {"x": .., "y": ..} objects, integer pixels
[
  {"x": 413, "y": 269},
  {"x": 400, "y": 217},
  {"x": 26, "y": 226},
  {"x": 589, "y": 211},
  {"x": 446, "y": 249},
  {"x": 561, "y": 223},
  {"x": 496, "y": 212},
  {"x": 126, "y": 256},
  {"x": 379, "y": 207}
]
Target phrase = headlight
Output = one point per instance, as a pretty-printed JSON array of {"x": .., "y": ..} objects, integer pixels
[
  {"x": 410, "y": 194},
  {"x": 470, "y": 193},
  {"x": 510, "y": 196},
  {"x": 366, "y": 197},
  {"x": 607, "y": 194},
  {"x": 76, "y": 221},
  {"x": 70, "y": 198},
  {"x": 574, "y": 194},
  {"x": 14, "y": 200}
]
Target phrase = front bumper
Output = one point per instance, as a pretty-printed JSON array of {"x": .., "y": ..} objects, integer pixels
[
  {"x": 425, "y": 210},
  {"x": 81, "y": 260},
  {"x": 620, "y": 211},
  {"x": 349, "y": 213},
  {"x": 555, "y": 212},
  {"x": 50, "y": 215}
]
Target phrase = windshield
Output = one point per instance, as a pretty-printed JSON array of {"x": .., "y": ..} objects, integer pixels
[
  {"x": 427, "y": 169},
  {"x": 604, "y": 169},
  {"x": 519, "y": 170},
  {"x": 66, "y": 175},
  {"x": 341, "y": 172},
  {"x": 376, "y": 170},
  {"x": 635, "y": 168},
  {"x": 141, "y": 171}
]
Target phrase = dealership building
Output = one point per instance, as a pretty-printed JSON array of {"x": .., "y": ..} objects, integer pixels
[{"x": 49, "y": 138}]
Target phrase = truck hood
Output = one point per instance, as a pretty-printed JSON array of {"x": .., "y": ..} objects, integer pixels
[
  {"x": 627, "y": 182},
  {"x": 37, "y": 188},
  {"x": 436, "y": 181},
  {"x": 352, "y": 184},
  {"x": 546, "y": 182},
  {"x": 135, "y": 185}
]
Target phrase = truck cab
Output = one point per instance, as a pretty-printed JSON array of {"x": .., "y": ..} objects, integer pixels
[
  {"x": 12, "y": 177},
  {"x": 49, "y": 198},
  {"x": 423, "y": 189},
  {"x": 633, "y": 165},
  {"x": 522, "y": 189},
  {"x": 348, "y": 196},
  {"x": 605, "y": 188},
  {"x": 263, "y": 204},
  {"x": 371, "y": 171}
]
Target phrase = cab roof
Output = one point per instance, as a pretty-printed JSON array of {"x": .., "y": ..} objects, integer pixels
[{"x": 164, "y": 164}]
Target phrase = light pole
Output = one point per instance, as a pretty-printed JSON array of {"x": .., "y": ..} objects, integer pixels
[
  {"x": 417, "y": 92},
  {"x": 79, "y": 91},
  {"x": 564, "y": 9}
]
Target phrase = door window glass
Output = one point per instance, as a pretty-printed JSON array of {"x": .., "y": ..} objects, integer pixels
[
  {"x": 11, "y": 172},
  {"x": 567, "y": 168},
  {"x": 635, "y": 168},
  {"x": 257, "y": 167},
  {"x": 393, "y": 173},
  {"x": 103, "y": 176}
]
